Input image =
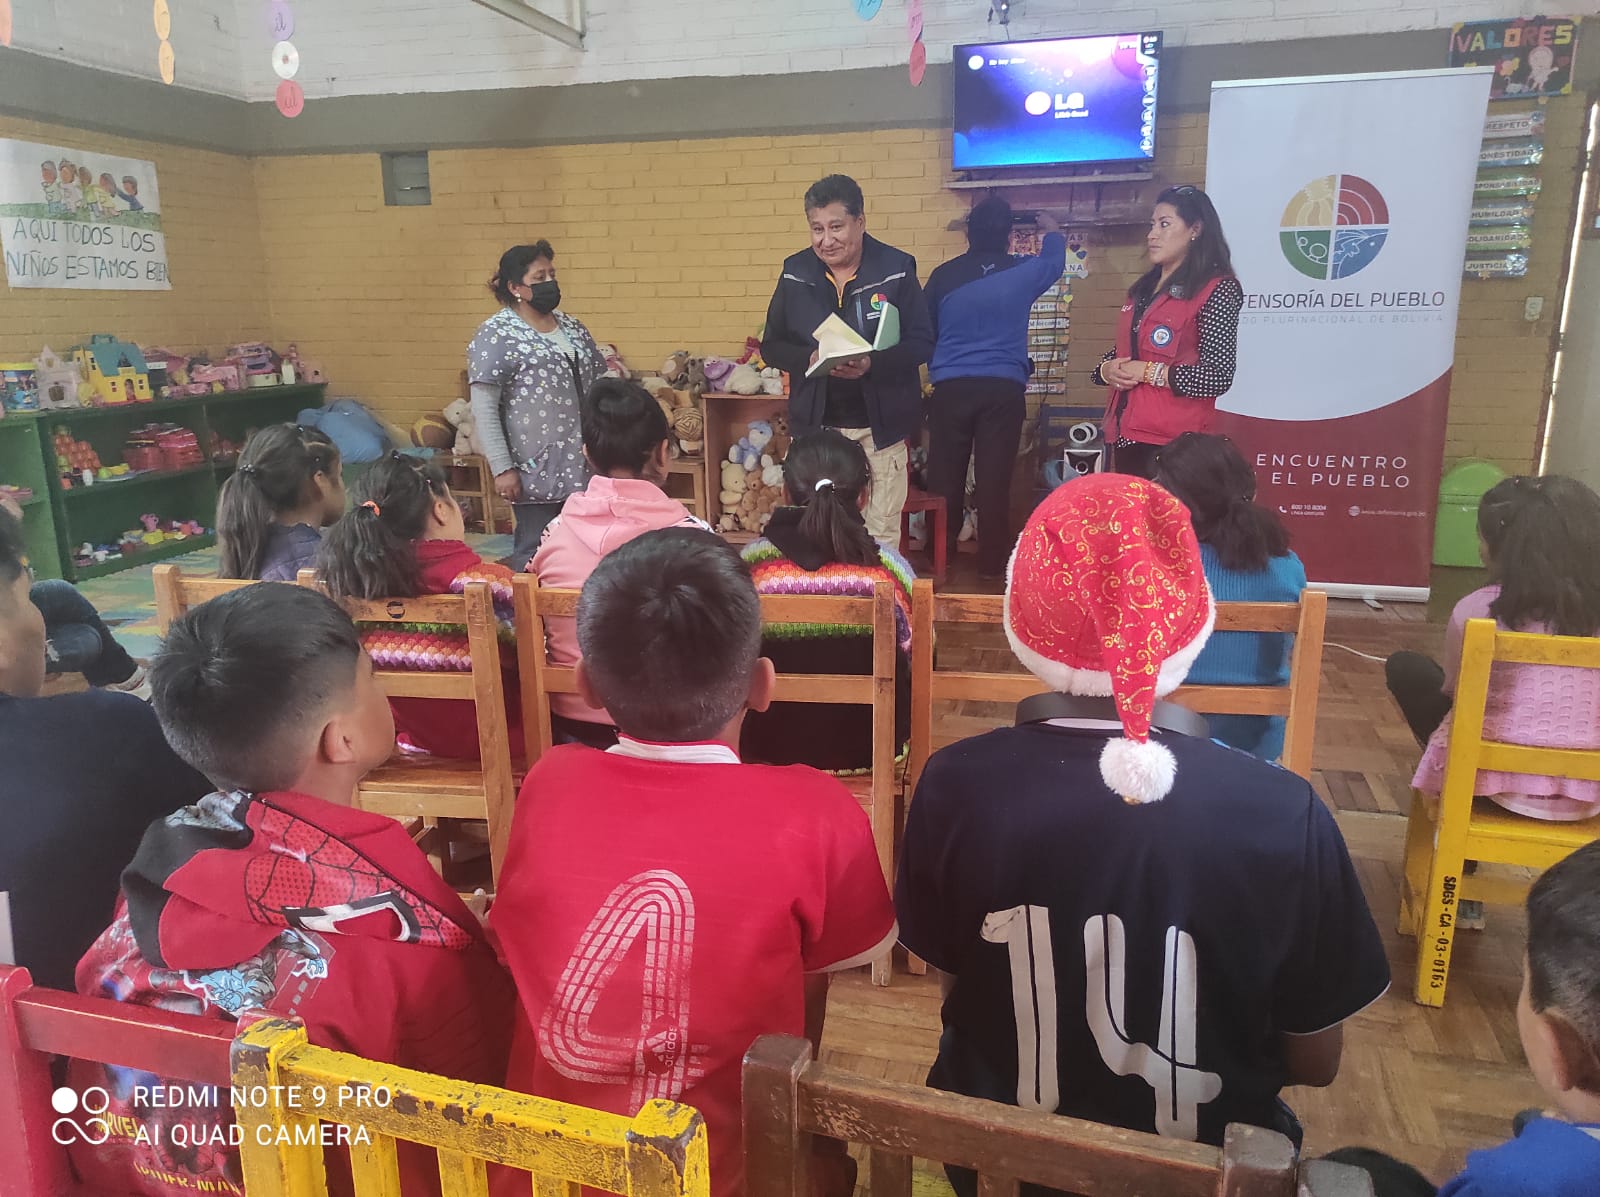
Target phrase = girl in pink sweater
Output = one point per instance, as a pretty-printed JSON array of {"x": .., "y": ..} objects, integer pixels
[
  {"x": 626, "y": 444},
  {"x": 1541, "y": 540}
]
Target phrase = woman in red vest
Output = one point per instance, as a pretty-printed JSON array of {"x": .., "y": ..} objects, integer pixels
[{"x": 1177, "y": 337}]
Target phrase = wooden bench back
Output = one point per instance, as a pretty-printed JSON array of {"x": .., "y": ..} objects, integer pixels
[
  {"x": 38, "y": 1024},
  {"x": 482, "y": 684},
  {"x": 176, "y": 591},
  {"x": 1297, "y": 701},
  {"x": 789, "y": 1099},
  {"x": 660, "y": 1152}
]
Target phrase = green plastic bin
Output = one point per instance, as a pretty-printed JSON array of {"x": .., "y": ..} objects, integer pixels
[{"x": 1455, "y": 528}]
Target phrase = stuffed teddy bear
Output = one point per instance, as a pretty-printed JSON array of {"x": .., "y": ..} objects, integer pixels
[
  {"x": 744, "y": 380},
  {"x": 615, "y": 366},
  {"x": 781, "y": 440},
  {"x": 655, "y": 384},
  {"x": 459, "y": 414},
  {"x": 771, "y": 472},
  {"x": 744, "y": 454},
  {"x": 733, "y": 486},
  {"x": 760, "y": 436},
  {"x": 772, "y": 381}
]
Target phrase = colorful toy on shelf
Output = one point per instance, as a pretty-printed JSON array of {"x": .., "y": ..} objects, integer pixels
[
  {"x": 306, "y": 370},
  {"x": 61, "y": 383},
  {"x": 16, "y": 494},
  {"x": 222, "y": 449},
  {"x": 206, "y": 376},
  {"x": 19, "y": 390},
  {"x": 166, "y": 370},
  {"x": 116, "y": 370},
  {"x": 73, "y": 457},
  {"x": 257, "y": 363}
]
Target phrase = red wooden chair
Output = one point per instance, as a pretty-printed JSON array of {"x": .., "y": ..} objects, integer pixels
[{"x": 36, "y": 1024}]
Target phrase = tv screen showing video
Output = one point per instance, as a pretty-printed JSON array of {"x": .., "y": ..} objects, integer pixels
[{"x": 1055, "y": 102}]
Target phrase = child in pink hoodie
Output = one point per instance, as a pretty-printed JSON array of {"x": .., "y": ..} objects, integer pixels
[{"x": 625, "y": 441}]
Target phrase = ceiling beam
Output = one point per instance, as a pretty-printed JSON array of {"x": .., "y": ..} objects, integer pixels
[{"x": 523, "y": 12}]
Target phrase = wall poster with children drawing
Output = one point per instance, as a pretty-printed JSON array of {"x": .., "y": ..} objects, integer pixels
[{"x": 76, "y": 219}]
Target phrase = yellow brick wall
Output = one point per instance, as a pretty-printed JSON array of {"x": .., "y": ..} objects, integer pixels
[
  {"x": 667, "y": 245},
  {"x": 660, "y": 245},
  {"x": 210, "y": 218}
]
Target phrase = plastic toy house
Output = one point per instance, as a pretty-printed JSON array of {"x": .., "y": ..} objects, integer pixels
[
  {"x": 116, "y": 370},
  {"x": 61, "y": 383}
]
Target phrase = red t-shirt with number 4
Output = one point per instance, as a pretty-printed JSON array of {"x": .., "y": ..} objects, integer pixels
[{"x": 659, "y": 908}]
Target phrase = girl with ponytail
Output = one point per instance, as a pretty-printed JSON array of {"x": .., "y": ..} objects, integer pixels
[
  {"x": 286, "y": 489},
  {"x": 819, "y": 544},
  {"x": 402, "y": 539},
  {"x": 1245, "y": 550},
  {"x": 1541, "y": 542}
]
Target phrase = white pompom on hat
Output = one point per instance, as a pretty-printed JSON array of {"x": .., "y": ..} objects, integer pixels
[{"x": 1106, "y": 596}]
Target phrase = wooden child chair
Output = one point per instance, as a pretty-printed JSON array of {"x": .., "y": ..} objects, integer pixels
[
  {"x": 1297, "y": 701},
  {"x": 789, "y": 1099},
  {"x": 877, "y": 790},
  {"x": 1442, "y": 835},
  {"x": 540, "y": 679},
  {"x": 38, "y": 1024},
  {"x": 660, "y": 1152},
  {"x": 431, "y": 788}
]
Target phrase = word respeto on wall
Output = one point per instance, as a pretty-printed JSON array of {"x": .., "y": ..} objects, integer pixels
[{"x": 78, "y": 219}]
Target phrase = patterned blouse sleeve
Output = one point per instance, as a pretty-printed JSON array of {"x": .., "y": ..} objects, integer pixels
[
  {"x": 491, "y": 357},
  {"x": 1218, "y": 323},
  {"x": 1094, "y": 375}
]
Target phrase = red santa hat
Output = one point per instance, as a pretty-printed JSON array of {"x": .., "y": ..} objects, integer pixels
[{"x": 1105, "y": 596}]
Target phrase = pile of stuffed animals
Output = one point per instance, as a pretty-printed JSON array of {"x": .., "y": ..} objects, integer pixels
[{"x": 752, "y": 477}]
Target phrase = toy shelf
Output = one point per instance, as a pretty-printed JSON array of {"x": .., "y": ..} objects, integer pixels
[
  {"x": 101, "y": 512},
  {"x": 160, "y": 552},
  {"x": 133, "y": 482},
  {"x": 727, "y": 418},
  {"x": 20, "y": 466}
]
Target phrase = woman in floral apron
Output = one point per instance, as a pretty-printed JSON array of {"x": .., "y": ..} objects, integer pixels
[{"x": 529, "y": 366}]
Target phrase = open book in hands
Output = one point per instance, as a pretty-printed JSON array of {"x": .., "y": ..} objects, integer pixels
[{"x": 838, "y": 343}]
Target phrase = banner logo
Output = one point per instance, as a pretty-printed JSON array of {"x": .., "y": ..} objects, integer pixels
[{"x": 1334, "y": 227}]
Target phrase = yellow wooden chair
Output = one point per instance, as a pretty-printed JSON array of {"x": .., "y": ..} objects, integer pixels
[
  {"x": 1442, "y": 835},
  {"x": 790, "y": 1100},
  {"x": 877, "y": 791},
  {"x": 1297, "y": 701},
  {"x": 431, "y": 788},
  {"x": 660, "y": 1152}
]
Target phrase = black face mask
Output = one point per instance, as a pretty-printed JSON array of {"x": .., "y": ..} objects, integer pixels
[{"x": 544, "y": 297}]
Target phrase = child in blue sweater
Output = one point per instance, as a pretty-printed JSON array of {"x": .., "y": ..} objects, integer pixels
[
  {"x": 1554, "y": 1154},
  {"x": 1245, "y": 551}
]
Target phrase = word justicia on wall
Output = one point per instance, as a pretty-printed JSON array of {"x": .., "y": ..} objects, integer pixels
[{"x": 1361, "y": 471}]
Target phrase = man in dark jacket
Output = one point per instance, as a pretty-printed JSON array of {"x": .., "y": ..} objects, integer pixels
[{"x": 875, "y": 399}]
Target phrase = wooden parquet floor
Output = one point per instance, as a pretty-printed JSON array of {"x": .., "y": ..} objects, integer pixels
[{"x": 1425, "y": 1085}]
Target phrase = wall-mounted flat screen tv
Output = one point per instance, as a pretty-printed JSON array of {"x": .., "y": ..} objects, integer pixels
[{"x": 1057, "y": 102}]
